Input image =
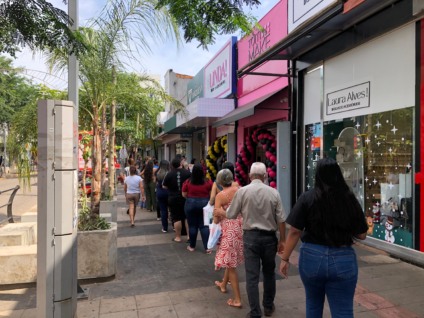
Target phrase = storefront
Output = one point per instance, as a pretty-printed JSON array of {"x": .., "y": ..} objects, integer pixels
[
  {"x": 261, "y": 119},
  {"x": 210, "y": 96},
  {"x": 357, "y": 96},
  {"x": 365, "y": 120}
]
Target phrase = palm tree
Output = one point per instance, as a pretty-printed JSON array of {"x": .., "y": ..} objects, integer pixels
[{"x": 122, "y": 31}]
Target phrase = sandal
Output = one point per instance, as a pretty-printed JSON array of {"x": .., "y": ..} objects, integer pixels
[
  {"x": 219, "y": 286},
  {"x": 174, "y": 240},
  {"x": 208, "y": 251},
  {"x": 231, "y": 303},
  {"x": 190, "y": 249}
]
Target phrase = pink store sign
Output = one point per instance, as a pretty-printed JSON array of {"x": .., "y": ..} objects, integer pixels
[
  {"x": 220, "y": 73},
  {"x": 274, "y": 25}
]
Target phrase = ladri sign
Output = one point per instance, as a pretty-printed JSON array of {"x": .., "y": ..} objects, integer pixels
[{"x": 347, "y": 99}]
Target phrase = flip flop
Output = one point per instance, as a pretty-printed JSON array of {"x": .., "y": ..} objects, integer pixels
[
  {"x": 174, "y": 240},
  {"x": 218, "y": 285},
  {"x": 230, "y": 303}
]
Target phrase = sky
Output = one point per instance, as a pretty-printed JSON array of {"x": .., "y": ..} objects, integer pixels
[{"x": 188, "y": 59}]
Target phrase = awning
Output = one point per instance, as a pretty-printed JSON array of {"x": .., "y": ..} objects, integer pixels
[
  {"x": 242, "y": 111},
  {"x": 235, "y": 115},
  {"x": 324, "y": 27},
  {"x": 200, "y": 114}
]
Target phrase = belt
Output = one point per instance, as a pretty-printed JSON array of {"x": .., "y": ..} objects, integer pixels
[{"x": 264, "y": 232}]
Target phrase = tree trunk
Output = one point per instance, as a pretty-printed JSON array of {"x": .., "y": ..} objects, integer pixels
[
  {"x": 112, "y": 129},
  {"x": 96, "y": 161},
  {"x": 103, "y": 137}
]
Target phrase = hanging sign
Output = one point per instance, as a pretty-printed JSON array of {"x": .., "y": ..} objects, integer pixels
[
  {"x": 300, "y": 11},
  {"x": 347, "y": 99}
]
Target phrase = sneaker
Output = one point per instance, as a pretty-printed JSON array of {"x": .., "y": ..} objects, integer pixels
[
  {"x": 269, "y": 311},
  {"x": 163, "y": 231},
  {"x": 157, "y": 219}
]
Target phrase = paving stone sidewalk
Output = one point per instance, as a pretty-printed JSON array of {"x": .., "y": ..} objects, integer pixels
[{"x": 157, "y": 277}]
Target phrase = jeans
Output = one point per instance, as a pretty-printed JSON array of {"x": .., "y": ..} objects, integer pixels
[
  {"x": 331, "y": 271},
  {"x": 194, "y": 213},
  {"x": 162, "y": 196},
  {"x": 260, "y": 248}
]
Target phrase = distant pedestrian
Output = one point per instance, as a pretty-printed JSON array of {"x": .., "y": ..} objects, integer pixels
[
  {"x": 149, "y": 186},
  {"x": 329, "y": 219},
  {"x": 230, "y": 250},
  {"x": 162, "y": 193},
  {"x": 133, "y": 187},
  {"x": 263, "y": 215},
  {"x": 173, "y": 181},
  {"x": 196, "y": 190}
]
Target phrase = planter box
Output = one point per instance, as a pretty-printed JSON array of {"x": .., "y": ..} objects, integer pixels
[
  {"x": 109, "y": 210},
  {"x": 97, "y": 253}
]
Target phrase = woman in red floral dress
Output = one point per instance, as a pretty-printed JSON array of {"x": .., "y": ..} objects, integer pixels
[{"x": 230, "y": 251}]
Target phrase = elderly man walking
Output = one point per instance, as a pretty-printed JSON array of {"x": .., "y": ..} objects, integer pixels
[{"x": 263, "y": 215}]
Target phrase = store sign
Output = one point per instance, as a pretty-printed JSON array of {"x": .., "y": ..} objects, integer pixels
[
  {"x": 220, "y": 73},
  {"x": 195, "y": 87},
  {"x": 259, "y": 41},
  {"x": 347, "y": 99},
  {"x": 300, "y": 11}
]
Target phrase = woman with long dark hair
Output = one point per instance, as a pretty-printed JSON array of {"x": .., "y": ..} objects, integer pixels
[
  {"x": 328, "y": 219},
  {"x": 162, "y": 193},
  {"x": 149, "y": 186},
  {"x": 196, "y": 190}
]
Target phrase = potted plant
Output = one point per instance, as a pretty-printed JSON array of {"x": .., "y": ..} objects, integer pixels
[{"x": 97, "y": 244}]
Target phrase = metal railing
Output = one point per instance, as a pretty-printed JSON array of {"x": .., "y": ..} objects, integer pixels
[{"x": 10, "y": 202}]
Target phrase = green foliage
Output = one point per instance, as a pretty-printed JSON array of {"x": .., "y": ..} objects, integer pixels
[
  {"x": 90, "y": 222},
  {"x": 36, "y": 24},
  {"x": 15, "y": 90},
  {"x": 202, "y": 19},
  {"x": 23, "y": 133}
]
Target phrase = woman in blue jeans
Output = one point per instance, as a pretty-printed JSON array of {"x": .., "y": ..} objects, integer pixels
[
  {"x": 196, "y": 190},
  {"x": 328, "y": 219}
]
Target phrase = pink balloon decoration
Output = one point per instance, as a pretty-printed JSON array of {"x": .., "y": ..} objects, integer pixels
[
  {"x": 273, "y": 158},
  {"x": 274, "y": 144},
  {"x": 273, "y": 184},
  {"x": 272, "y": 174}
]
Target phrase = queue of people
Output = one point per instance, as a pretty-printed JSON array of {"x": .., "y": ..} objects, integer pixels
[{"x": 328, "y": 219}]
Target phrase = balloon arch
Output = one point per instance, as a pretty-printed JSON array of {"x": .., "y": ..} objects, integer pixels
[
  {"x": 216, "y": 152},
  {"x": 248, "y": 153}
]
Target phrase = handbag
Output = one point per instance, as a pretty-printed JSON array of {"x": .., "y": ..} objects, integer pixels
[
  {"x": 208, "y": 214},
  {"x": 214, "y": 235}
]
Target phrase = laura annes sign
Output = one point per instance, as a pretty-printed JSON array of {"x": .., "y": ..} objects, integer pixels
[{"x": 347, "y": 99}]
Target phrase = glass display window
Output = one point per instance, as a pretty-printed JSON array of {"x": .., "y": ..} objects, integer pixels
[
  {"x": 313, "y": 137},
  {"x": 375, "y": 154}
]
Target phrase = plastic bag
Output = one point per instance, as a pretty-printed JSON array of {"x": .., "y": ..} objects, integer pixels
[
  {"x": 214, "y": 235},
  {"x": 208, "y": 215}
]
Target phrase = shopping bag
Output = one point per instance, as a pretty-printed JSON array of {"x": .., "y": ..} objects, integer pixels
[
  {"x": 214, "y": 235},
  {"x": 207, "y": 215}
]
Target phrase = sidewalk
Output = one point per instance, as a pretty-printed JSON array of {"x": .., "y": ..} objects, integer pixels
[{"x": 157, "y": 277}]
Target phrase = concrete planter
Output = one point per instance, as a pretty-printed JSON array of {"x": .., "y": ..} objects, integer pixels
[
  {"x": 97, "y": 253},
  {"x": 109, "y": 209}
]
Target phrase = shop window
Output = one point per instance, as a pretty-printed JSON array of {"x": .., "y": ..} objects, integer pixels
[
  {"x": 375, "y": 153},
  {"x": 312, "y": 152}
]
